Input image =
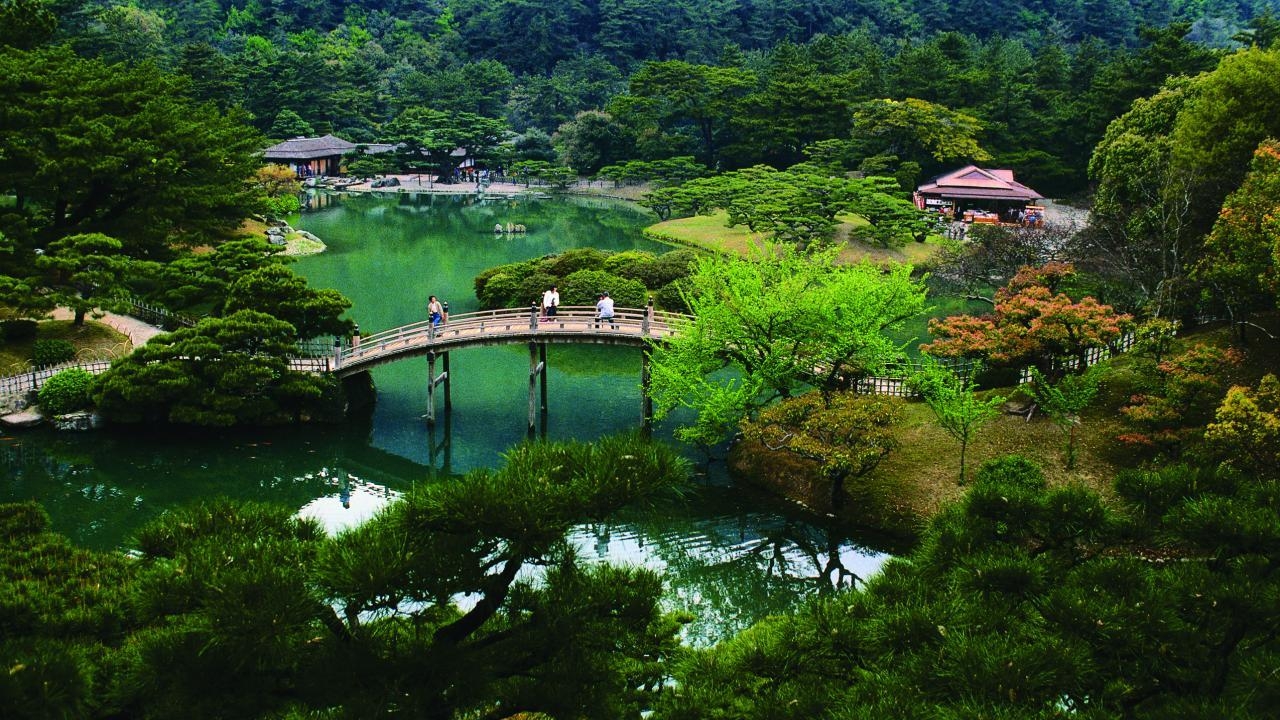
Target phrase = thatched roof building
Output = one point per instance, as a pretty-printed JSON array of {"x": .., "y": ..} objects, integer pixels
[{"x": 319, "y": 155}]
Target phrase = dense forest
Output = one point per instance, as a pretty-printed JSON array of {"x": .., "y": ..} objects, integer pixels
[{"x": 733, "y": 83}]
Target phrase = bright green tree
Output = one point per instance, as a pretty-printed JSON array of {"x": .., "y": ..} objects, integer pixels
[
  {"x": 958, "y": 410},
  {"x": 1065, "y": 400},
  {"x": 780, "y": 321}
]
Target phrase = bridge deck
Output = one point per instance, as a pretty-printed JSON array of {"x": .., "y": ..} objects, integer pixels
[{"x": 576, "y": 324}]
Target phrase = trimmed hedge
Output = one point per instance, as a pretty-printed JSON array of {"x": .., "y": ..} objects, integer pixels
[
  {"x": 66, "y": 392},
  {"x": 51, "y": 352}
]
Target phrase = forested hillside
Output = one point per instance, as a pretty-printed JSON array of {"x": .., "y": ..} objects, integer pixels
[{"x": 732, "y": 82}]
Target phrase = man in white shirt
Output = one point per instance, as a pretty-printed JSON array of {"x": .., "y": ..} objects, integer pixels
[
  {"x": 604, "y": 310},
  {"x": 550, "y": 301}
]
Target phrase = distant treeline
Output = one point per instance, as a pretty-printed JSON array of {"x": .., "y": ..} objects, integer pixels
[{"x": 1043, "y": 78}]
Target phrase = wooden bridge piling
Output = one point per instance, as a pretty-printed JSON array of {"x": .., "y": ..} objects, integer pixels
[
  {"x": 537, "y": 369},
  {"x": 433, "y": 380}
]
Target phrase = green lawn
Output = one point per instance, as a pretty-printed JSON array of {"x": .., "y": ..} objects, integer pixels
[
  {"x": 93, "y": 341},
  {"x": 709, "y": 232}
]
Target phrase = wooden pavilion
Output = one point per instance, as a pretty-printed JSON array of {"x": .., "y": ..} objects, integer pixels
[
  {"x": 973, "y": 193},
  {"x": 318, "y": 156}
]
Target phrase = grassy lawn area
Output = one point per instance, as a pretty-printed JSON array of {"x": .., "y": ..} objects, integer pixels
[
  {"x": 925, "y": 468},
  {"x": 921, "y": 476},
  {"x": 93, "y": 341},
  {"x": 710, "y": 233}
]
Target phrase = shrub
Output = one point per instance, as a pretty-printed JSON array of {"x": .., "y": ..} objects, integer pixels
[
  {"x": 66, "y": 392},
  {"x": 670, "y": 267},
  {"x": 571, "y": 261},
  {"x": 17, "y": 330},
  {"x": 283, "y": 205},
  {"x": 51, "y": 352},
  {"x": 669, "y": 297},
  {"x": 582, "y": 287},
  {"x": 515, "y": 269},
  {"x": 1011, "y": 470},
  {"x": 627, "y": 262},
  {"x": 652, "y": 272},
  {"x": 514, "y": 290}
]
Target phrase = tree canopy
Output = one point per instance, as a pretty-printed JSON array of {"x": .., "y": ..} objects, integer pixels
[
  {"x": 243, "y": 609},
  {"x": 118, "y": 149},
  {"x": 779, "y": 321}
]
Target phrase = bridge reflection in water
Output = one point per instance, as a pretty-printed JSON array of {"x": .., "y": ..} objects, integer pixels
[{"x": 578, "y": 325}]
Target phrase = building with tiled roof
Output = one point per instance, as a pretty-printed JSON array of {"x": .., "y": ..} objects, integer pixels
[{"x": 972, "y": 188}]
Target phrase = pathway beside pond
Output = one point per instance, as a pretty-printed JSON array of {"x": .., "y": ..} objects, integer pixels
[{"x": 136, "y": 330}]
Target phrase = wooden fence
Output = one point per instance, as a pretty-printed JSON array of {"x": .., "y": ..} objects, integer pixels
[
  {"x": 34, "y": 379},
  {"x": 159, "y": 316},
  {"x": 1092, "y": 356}
]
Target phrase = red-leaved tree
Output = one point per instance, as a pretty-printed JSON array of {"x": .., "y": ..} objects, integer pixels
[{"x": 1033, "y": 322}]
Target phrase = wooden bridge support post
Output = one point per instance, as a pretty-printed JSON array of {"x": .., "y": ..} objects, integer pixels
[
  {"x": 432, "y": 381},
  {"x": 442, "y": 449},
  {"x": 431, "y": 388},
  {"x": 535, "y": 369},
  {"x": 448, "y": 389},
  {"x": 542, "y": 360},
  {"x": 646, "y": 402}
]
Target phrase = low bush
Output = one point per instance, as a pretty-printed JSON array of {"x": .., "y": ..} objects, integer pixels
[
  {"x": 630, "y": 277},
  {"x": 51, "y": 352},
  {"x": 582, "y": 288},
  {"x": 66, "y": 392}
]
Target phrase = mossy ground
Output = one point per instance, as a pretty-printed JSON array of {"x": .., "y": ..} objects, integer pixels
[{"x": 92, "y": 341}]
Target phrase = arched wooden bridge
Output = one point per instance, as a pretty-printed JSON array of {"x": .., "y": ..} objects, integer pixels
[{"x": 571, "y": 325}]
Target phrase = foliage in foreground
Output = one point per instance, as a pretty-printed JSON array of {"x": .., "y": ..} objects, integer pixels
[
  {"x": 1031, "y": 602},
  {"x": 242, "y": 611}
]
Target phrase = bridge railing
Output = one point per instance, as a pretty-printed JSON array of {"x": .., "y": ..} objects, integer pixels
[{"x": 569, "y": 319}]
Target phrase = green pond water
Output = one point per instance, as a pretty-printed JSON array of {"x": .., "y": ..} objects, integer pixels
[{"x": 730, "y": 556}]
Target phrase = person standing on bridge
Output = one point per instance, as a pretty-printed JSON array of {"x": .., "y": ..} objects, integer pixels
[
  {"x": 604, "y": 310},
  {"x": 435, "y": 311},
  {"x": 550, "y": 301}
]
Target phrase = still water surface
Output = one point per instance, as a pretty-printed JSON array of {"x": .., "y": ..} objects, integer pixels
[{"x": 730, "y": 556}]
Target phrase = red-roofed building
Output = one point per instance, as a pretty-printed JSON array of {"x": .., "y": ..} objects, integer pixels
[{"x": 973, "y": 189}]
